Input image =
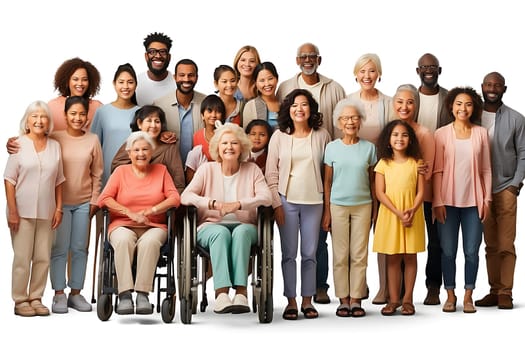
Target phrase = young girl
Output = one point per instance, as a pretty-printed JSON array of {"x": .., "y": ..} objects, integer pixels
[
  {"x": 83, "y": 167},
  {"x": 225, "y": 80},
  {"x": 212, "y": 110},
  {"x": 399, "y": 231},
  {"x": 259, "y": 132}
]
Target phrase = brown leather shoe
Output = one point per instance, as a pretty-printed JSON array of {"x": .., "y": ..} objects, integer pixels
[
  {"x": 321, "y": 297},
  {"x": 487, "y": 300},
  {"x": 24, "y": 309},
  {"x": 505, "y": 302},
  {"x": 432, "y": 297},
  {"x": 40, "y": 309}
]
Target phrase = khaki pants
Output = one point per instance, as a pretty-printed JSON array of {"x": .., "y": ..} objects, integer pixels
[
  {"x": 32, "y": 254},
  {"x": 147, "y": 244},
  {"x": 350, "y": 232}
]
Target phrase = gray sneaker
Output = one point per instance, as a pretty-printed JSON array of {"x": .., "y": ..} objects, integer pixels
[
  {"x": 79, "y": 303},
  {"x": 59, "y": 305},
  {"x": 125, "y": 305},
  {"x": 144, "y": 307}
]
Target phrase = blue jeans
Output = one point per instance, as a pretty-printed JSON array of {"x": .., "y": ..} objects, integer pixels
[
  {"x": 229, "y": 246},
  {"x": 472, "y": 231},
  {"x": 71, "y": 236}
]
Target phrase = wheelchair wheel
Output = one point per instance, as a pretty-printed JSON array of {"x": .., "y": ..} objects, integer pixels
[
  {"x": 266, "y": 309},
  {"x": 104, "y": 307},
  {"x": 168, "y": 309},
  {"x": 185, "y": 310}
]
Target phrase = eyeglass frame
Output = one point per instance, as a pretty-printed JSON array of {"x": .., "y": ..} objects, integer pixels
[
  {"x": 346, "y": 118},
  {"x": 154, "y": 52},
  {"x": 312, "y": 56}
]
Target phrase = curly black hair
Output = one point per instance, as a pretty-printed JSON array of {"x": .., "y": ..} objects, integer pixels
[
  {"x": 284, "y": 120},
  {"x": 159, "y": 38}
]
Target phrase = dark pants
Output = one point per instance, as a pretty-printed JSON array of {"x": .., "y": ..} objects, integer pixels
[
  {"x": 322, "y": 261},
  {"x": 433, "y": 273}
]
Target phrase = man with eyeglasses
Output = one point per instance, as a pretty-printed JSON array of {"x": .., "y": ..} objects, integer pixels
[
  {"x": 506, "y": 129},
  {"x": 433, "y": 114},
  {"x": 157, "y": 81},
  {"x": 327, "y": 92}
]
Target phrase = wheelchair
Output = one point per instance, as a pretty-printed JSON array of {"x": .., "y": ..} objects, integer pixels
[
  {"x": 107, "y": 277},
  {"x": 193, "y": 272}
]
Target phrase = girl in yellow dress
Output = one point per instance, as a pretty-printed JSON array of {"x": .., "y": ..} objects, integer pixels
[{"x": 400, "y": 227}]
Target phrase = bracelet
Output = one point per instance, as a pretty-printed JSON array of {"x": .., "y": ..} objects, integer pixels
[
  {"x": 59, "y": 210},
  {"x": 213, "y": 204},
  {"x": 154, "y": 209}
]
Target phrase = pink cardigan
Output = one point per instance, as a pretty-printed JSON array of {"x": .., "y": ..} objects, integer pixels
[
  {"x": 206, "y": 185},
  {"x": 443, "y": 179}
]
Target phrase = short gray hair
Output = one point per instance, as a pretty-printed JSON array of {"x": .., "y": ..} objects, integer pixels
[
  {"x": 341, "y": 105},
  {"x": 139, "y": 135}
]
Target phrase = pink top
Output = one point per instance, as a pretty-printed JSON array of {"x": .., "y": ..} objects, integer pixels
[
  {"x": 206, "y": 185},
  {"x": 138, "y": 194},
  {"x": 35, "y": 176},
  {"x": 83, "y": 167},
  {"x": 57, "y": 106},
  {"x": 426, "y": 142},
  {"x": 480, "y": 174}
]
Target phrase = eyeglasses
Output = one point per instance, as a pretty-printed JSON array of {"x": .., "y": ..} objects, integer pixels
[
  {"x": 432, "y": 67},
  {"x": 311, "y": 56},
  {"x": 155, "y": 52},
  {"x": 346, "y": 118}
]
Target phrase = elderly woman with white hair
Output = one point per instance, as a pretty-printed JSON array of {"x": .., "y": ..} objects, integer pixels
[
  {"x": 227, "y": 193},
  {"x": 137, "y": 196}
]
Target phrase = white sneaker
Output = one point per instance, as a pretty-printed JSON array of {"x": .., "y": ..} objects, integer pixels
[
  {"x": 240, "y": 304},
  {"x": 59, "y": 305},
  {"x": 223, "y": 304},
  {"x": 79, "y": 303}
]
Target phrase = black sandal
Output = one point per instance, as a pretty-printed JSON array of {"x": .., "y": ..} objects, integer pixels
[
  {"x": 290, "y": 314},
  {"x": 309, "y": 311}
]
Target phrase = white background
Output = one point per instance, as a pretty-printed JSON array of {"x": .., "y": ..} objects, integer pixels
[{"x": 470, "y": 38}]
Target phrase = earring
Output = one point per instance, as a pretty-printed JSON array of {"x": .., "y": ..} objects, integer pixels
[
  {"x": 356, "y": 80},
  {"x": 379, "y": 80}
]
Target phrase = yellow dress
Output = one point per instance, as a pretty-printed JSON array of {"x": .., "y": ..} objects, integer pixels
[{"x": 390, "y": 237}]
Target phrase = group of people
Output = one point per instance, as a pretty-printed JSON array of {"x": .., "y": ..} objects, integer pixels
[{"x": 330, "y": 164}]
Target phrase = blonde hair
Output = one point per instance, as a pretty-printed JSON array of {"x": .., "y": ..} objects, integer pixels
[{"x": 238, "y": 132}]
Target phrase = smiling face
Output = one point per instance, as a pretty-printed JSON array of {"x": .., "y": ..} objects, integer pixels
[
  {"x": 140, "y": 153},
  {"x": 428, "y": 70},
  {"x": 349, "y": 121},
  {"x": 462, "y": 107},
  {"x": 186, "y": 78},
  {"x": 78, "y": 82},
  {"x": 226, "y": 84},
  {"x": 367, "y": 76},
  {"x": 399, "y": 138},
  {"x": 229, "y": 148},
  {"x": 76, "y": 118},
  {"x": 405, "y": 105},
  {"x": 157, "y": 58},
  {"x": 266, "y": 83},
  {"x": 125, "y": 86},
  {"x": 259, "y": 137},
  {"x": 151, "y": 124},
  {"x": 308, "y": 59},
  {"x": 38, "y": 123},
  {"x": 247, "y": 63},
  {"x": 300, "y": 110},
  {"x": 210, "y": 116}
]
